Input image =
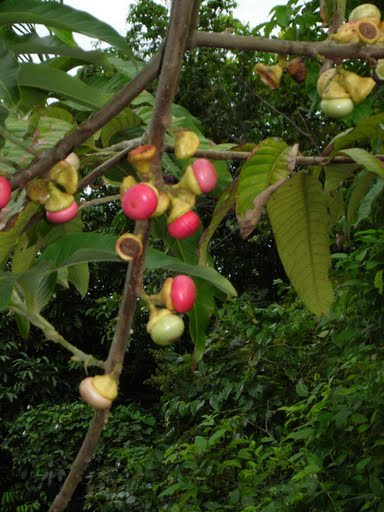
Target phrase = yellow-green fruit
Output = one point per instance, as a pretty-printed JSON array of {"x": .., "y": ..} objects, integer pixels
[
  {"x": 167, "y": 330},
  {"x": 336, "y": 108}
]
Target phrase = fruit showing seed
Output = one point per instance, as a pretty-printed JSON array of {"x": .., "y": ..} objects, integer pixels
[
  {"x": 140, "y": 201},
  {"x": 297, "y": 70},
  {"x": 367, "y": 32},
  {"x": 167, "y": 330},
  {"x": 5, "y": 192},
  {"x": 270, "y": 75},
  {"x": 64, "y": 215},
  {"x": 92, "y": 397},
  {"x": 336, "y": 108},
  {"x": 182, "y": 294},
  {"x": 129, "y": 246},
  {"x": 184, "y": 226}
]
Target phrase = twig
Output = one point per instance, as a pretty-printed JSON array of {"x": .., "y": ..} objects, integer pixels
[
  {"x": 328, "y": 49},
  {"x": 103, "y": 168},
  {"x": 50, "y": 332},
  {"x": 91, "y": 125},
  {"x": 99, "y": 200}
]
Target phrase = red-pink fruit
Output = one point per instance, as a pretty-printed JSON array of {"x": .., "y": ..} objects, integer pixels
[
  {"x": 5, "y": 192},
  {"x": 140, "y": 201},
  {"x": 65, "y": 215},
  {"x": 205, "y": 174},
  {"x": 183, "y": 293},
  {"x": 184, "y": 226}
]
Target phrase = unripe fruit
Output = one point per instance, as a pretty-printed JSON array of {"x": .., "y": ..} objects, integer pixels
[
  {"x": 5, "y": 192},
  {"x": 92, "y": 397},
  {"x": 184, "y": 226},
  {"x": 140, "y": 201},
  {"x": 182, "y": 294},
  {"x": 64, "y": 215},
  {"x": 167, "y": 330},
  {"x": 336, "y": 108},
  {"x": 205, "y": 174}
]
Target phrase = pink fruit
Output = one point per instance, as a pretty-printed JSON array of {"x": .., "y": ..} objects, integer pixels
[
  {"x": 184, "y": 226},
  {"x": 205, "y": 174},
  {"x": 5, "y": 192},
  {"x": 183, "y": 293},
  {"x": 65, "y": 215},
  {"x": 140, "y": 201}
]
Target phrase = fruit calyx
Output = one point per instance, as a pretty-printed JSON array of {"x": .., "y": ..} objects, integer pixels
[
  {"x": 65, "y": 175},
  {"x": 140, "y": 201},
  {"x": 141, "y": 158},
  {"x": 57, "y": 199},
  {"x": 164, "y": 327},
  {"x": 177, "y": 294},
  {"x": 5, "y": 192},
  {"x": 99, "y": 391},
  {"x": 186, "y": 144}
]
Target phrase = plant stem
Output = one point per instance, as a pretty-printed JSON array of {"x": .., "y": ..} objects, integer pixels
[{"x": 99, "y": 200}]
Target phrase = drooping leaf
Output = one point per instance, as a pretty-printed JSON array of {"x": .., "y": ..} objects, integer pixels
[
  {"x": 57, "y": 82},
  {"x": 9, "y": 92},
  {"x": 299, "y": 219},
  {"x": 366, "y": 159},
  {"x": 358, "y": 190},
  {"x": 78, "y": 275},
  {"x": 268, "y": 165},
  {"x": 336, "y": 174},
  {"x": 58, "y": 15}
]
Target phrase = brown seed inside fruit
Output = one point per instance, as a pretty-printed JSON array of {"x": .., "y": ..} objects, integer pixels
[
  {"x": 130, "y": 248},
  {"x": 368, "y": 30}
]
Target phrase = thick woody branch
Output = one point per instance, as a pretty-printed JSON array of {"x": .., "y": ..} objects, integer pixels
[
  {"x": 327, "y": 49},
  {"x": 96, "y": 121}
]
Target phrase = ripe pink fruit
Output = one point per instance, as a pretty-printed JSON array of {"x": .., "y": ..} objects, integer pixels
[
  {"x": 140, "y": 201},
  {"x": 184, "y": 226},
  {"x": 183, "y": 293},
  {"x": 5, "y": 192},
  {"x": 205, "y": 174},
  {"x": 65, "y": 215}
]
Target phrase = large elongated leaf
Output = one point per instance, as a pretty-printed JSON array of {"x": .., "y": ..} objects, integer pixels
[
  {"x": 8, "y": 72},
  {"x": 48, "y": 78},
  {"x": 359, "y": 189},
  {"x": 55, "y": 14},
  {"x": 366, "y": 130},
  {"x": 268, "y": 165},
  {"x": 299, "y": 219},
  {"x": 366, "y": 159},
  {"x": 85, "y": 247},
  {"x": 200, "y": 316}
]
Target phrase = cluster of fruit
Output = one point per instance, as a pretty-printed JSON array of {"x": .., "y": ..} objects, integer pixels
[
  {"x": 143, "y": 200},
  {"x": 364, "y": 25},
  {"x": 341, "y": 90},
  {"x": 56, "y": 191}
]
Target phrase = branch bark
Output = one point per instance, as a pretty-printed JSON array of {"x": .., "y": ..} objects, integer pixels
[{"x": 327, "y": 49}]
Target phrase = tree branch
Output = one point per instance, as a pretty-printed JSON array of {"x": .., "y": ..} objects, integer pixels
[
  {"x": 328, "y": 49},
  {"x": 177, "y": 34}
]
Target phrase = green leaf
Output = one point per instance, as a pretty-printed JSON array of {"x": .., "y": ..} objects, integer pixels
[
  {"x": 336, "y": 174},
  {"x": 366, "y": 130},
  {"x": 55, "y": 14},
  {"x": 267, "y": 166},
  {"x": 7, "y": 282},
  {"x": 378, "y": 281},
  {"x": 8, "y": 71},
  {"x": 9, "y": 238},
  {"x": 57, "y": 82},
  {"x": 357, "y": 191},
  {"x": 368, "y": 201},
  {"x": 366, "y": 159},
  {"x": 200, "y": 316},
  {"x": 38, "y": 287},
  {"x": 299, "y": 219},
  {"x": 126, "y": 119},
  {"x": 24, "y": 254},
  {"x": 78, "y": 275}
]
